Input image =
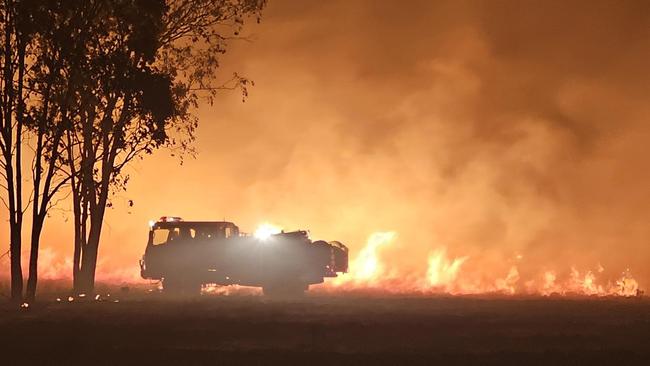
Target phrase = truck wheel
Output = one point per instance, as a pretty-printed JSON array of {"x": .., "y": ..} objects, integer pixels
[
  {"x": 181, "y": 286},
  {"x": 285, "y": 290}
]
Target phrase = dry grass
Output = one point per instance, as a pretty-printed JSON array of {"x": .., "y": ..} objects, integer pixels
[{"x": 145, "y": 328}]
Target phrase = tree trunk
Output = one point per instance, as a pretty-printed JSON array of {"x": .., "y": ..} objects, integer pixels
[
  {"x": 15, "y": 243},
  {"x": 96, "y": 208},
  {"x": 11, "y": 155},
  {"x": 78, "y": 282},
  {"x": 32, "y": 280},
  {"x": 91, "y": 250},
  {"x": 86, "y": 282},
  {"x": 16, "y": 267},
  {"x": 76, "y": 260}
]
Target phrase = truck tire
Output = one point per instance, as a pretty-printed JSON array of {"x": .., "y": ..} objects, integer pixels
[
  {"x": 292, "y": 289},
  {"x": 180, "y": 286}
]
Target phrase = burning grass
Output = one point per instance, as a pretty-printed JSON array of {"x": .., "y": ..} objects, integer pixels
[{"x": 447, "y": 275}]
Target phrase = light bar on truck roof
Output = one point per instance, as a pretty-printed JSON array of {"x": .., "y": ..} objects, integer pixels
[{"x": 169, "y": 219}]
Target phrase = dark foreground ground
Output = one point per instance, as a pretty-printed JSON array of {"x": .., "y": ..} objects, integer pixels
[{"x": 322, "y": 330}]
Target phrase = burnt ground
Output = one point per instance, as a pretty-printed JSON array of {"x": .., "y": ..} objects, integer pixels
[{"x": 327, "y": 330}]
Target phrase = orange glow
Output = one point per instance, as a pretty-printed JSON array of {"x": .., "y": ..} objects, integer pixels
[{"x": 453, "y": 147}]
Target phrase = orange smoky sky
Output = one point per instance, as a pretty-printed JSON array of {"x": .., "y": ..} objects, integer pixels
[{"x": 493, "y": 129}]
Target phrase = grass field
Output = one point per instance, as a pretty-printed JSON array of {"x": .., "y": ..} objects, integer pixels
[{"x": 327, "y": 330}]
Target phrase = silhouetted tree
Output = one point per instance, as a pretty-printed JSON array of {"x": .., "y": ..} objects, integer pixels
[
  {"x": 146, "y": 66},
  {"x": 13, "y": 69},
  {"x": 16, "y": 31},
  {"x": 32, "y": 110},
  {"x": 60, "y": 35}
]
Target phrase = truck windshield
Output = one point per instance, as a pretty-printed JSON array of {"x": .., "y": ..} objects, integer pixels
[{"x": 162, "y": 236}]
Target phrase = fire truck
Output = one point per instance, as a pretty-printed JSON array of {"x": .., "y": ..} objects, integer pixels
[{"x": 185, "y": 255}]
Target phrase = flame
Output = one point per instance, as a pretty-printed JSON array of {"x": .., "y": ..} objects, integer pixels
[
  {"x": 367, "y": 268},
  {"x": 627, "y": 286},
  {"x": 508, "y": 284},
  {"x": 549, "y": 286},
  {"x": 449, "y": 275},
  {"x": 367, "y": 265},
  {"x": 212, "y": 289},
  {"x": 441, "y": 272}
]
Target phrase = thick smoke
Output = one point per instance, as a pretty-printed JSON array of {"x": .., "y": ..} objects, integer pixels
[{"x": 511, "y": 132}]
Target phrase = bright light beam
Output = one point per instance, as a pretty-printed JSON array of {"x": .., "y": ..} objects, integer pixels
[{"x": 265, "y": 231}]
